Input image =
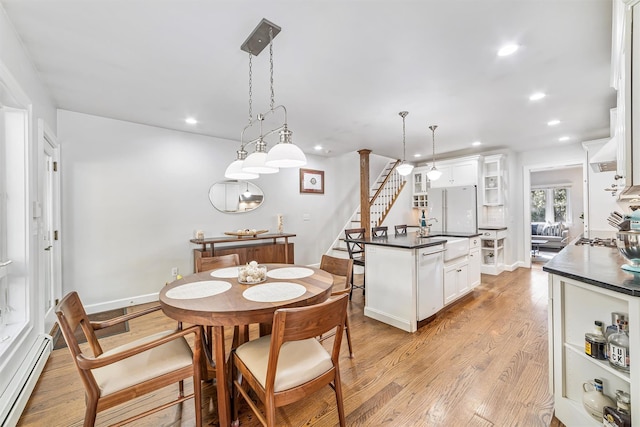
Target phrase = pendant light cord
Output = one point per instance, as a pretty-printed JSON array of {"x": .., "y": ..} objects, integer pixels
[{"x": 433, "y": 140}]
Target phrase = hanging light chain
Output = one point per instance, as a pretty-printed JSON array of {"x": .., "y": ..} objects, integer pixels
[
  {"x": 433, "y": 139},
  {"x": 271, "y": 64},
  {"x": 403, "y": 114},
  {"x": 250, "y": 88}
]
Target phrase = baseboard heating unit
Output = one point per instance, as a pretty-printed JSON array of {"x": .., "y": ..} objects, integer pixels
[{"x": 15, "y": 397}]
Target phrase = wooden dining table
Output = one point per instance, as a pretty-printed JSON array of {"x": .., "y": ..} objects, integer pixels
[{"x": 217, "y": 299}]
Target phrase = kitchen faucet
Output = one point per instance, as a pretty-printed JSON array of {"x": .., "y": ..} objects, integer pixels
[{"x": 426, "y": 229}]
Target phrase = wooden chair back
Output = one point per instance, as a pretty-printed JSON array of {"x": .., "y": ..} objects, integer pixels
[
  {"x": 341, "y": 269},
  {"x": 401, "y": 229},
  {"x": 379, "y": 231},
  {"x": 214, "y": 262},
  {"x": 72, "y": 315},
  {"x": 302, "y": 324},
  {"x": 355, "y": 249}
]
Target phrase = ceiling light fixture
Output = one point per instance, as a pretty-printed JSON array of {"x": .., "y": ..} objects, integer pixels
[
  {"x": 191, "y": 121},
  {"x": 563, "y": 138},
  {"x": 537, "y": 96},
  {"x": 405, "y": 168},
  {"x": 553, "y": 122},
  {"x": 434, "y": 174},
  {"x": 508, "y": 49},
  {"x": 285, "y": 154},
  {"x": 476, "y": 143}
]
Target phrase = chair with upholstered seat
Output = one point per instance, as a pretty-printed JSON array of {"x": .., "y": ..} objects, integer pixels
[
  {"x": 214, "y": 262},
  {"x": 126, "y": 372},
  {"x": 290, "y": 364},
  {"x": 341, "y": 269},
  {"x": 356, "y": 253},
  {"x": 401, "y": 229},
  {"x": 380, "y": 231}
]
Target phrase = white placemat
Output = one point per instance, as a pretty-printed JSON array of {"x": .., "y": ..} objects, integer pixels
[
  {"x": 226, "y": 273},
  {"x": 273, "y": 292},
  {"x": 202, "y": 289},
  {"x": 290, "y": 273}
]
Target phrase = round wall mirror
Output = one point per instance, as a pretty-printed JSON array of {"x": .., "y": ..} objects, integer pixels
[{"x": 235, "y": 196}]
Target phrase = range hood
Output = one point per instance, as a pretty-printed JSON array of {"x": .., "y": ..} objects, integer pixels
[{"x": 605, "y": 159}]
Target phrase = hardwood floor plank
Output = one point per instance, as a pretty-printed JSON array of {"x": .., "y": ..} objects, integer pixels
[{"x": 482, "y": 362}]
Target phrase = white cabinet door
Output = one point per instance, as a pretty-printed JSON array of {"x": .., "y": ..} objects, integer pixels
[
  {"x": 450, "y": 284},
  {"x": 474, "y": 267},
  {"x": 464, "y": 173},
  {"x": 456, "y": 281},
  {"x": 445, "y": 180}
]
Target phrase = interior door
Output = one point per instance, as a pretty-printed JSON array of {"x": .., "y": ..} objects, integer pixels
[{"x": 50, "y": 261}]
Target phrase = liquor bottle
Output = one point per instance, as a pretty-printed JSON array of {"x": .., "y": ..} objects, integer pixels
[
  {"x": 613, "y": 327},
  {"x": 594, "y": 399},
  {"x": 618, "y": 348},
  {"x": 619, "y": 416},
  {"x": 595, "y": 343}
]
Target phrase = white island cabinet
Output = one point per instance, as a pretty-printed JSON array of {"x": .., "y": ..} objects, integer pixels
[
  {"x": 403, "y": 286},
  {"x": 586, "y": 284}
]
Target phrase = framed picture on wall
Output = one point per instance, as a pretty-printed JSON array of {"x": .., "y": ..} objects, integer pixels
[{"x": 311, "y": 181}]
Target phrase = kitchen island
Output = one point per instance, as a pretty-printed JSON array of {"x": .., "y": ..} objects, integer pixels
[
  {"x": 587, "y": 284},
  {"x": 410, "y": 278}
]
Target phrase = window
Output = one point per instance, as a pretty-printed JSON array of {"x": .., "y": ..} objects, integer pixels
[{"x": 551, "y": 204}]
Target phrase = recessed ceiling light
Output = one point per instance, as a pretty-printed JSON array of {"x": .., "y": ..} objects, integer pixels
[
  {"x": 190, "y": 120},
  {"x": 476, "y": 143},
  {"x": 508, "y": 49},
  {"x": 417, "y": 155},
  {"x": 563, "y": 138},
  {"x": 318, "y": 147},
  {"x": 553, "y": 122},
  {"x": 537, "y": 96}
]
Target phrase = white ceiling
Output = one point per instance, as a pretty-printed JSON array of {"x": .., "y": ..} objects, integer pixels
[{"x": 343, "y": 69}]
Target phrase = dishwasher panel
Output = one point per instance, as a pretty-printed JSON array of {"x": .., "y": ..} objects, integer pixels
[{"x": 430, "y": 281}]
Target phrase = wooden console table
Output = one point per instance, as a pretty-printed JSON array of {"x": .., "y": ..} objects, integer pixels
[{"x": 264, "y": 248}]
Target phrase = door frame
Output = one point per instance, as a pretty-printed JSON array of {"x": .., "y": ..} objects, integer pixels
[
  {"x": 526, "y": 197},
  {"x": 49, "y": 198}
]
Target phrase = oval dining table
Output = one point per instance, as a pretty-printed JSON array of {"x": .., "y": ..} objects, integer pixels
[{"x": 217, "y": 299}]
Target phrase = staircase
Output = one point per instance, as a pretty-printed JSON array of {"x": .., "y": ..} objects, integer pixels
[{"x": 382, "y": 195}]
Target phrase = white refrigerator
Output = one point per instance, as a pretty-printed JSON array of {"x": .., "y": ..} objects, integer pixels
[{"x": 455, "y": 209}]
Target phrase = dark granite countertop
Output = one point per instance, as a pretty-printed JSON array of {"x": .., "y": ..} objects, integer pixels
[
  {"x": 492, "y": 227},
  {"x": 411, "y": 240},
  {"x": 595, "y": 265}
]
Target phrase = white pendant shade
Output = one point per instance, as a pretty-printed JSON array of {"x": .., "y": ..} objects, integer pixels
[
  {"x": 404, "y": 169},
  {"x": 286, "y": 155},
  {"x": 234, "y": 171},
  {"x": 434, "y": 174},
  {"x": 255, "y": 164}
]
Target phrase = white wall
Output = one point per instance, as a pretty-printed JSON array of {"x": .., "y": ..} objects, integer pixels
[{"x": 133, "y": 196}]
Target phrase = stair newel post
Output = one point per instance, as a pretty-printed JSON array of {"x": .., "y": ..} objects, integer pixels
[{"x": 365, "y": 214}]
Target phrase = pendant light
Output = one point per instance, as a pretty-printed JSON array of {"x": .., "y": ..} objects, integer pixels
[
  {"x": 434, "y": 174},
  {"x": 284, "y": 154},
  {"x": 405, "y": 168}
]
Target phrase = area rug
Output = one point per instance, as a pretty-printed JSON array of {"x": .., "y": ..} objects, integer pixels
[{"x": 58, "y": 339}]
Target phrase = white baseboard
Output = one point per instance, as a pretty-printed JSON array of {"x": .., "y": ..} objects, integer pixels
[
  {"x": 514, "y": 266},
  {"x": 125, "y": 302}
]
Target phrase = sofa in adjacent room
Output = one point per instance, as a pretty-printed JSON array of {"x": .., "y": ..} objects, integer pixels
[{"x": 556, "y": 234}]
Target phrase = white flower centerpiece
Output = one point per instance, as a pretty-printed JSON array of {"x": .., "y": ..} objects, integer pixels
[{"x": 252, "y": 273}]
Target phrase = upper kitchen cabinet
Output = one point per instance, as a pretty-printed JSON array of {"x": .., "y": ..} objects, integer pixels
[
  {"x": 492, "y": 185},
  {"x": 463, "y": 171},
  {"x": 420, "y": 187},
  {"x": 625, "y": 70}
]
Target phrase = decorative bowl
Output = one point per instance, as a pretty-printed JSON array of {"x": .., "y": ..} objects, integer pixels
[
  {"x": 628, "y": 243},
  {"x": 252, "y": 273}
]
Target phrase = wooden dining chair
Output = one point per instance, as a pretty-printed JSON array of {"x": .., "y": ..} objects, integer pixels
[
  {"x": 213, "y": 262},
  {"x": 341, "y": 269},
  {"x": 401, "y": 229},
  {"x": 380, "y": 231},
  {"x": 126, "y": 372},
  {"x": 356, "y": 253},
  {"x": 290, "y": 364}
]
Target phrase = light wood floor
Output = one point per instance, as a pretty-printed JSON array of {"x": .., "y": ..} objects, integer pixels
[{"x": 482, "y": 362}]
